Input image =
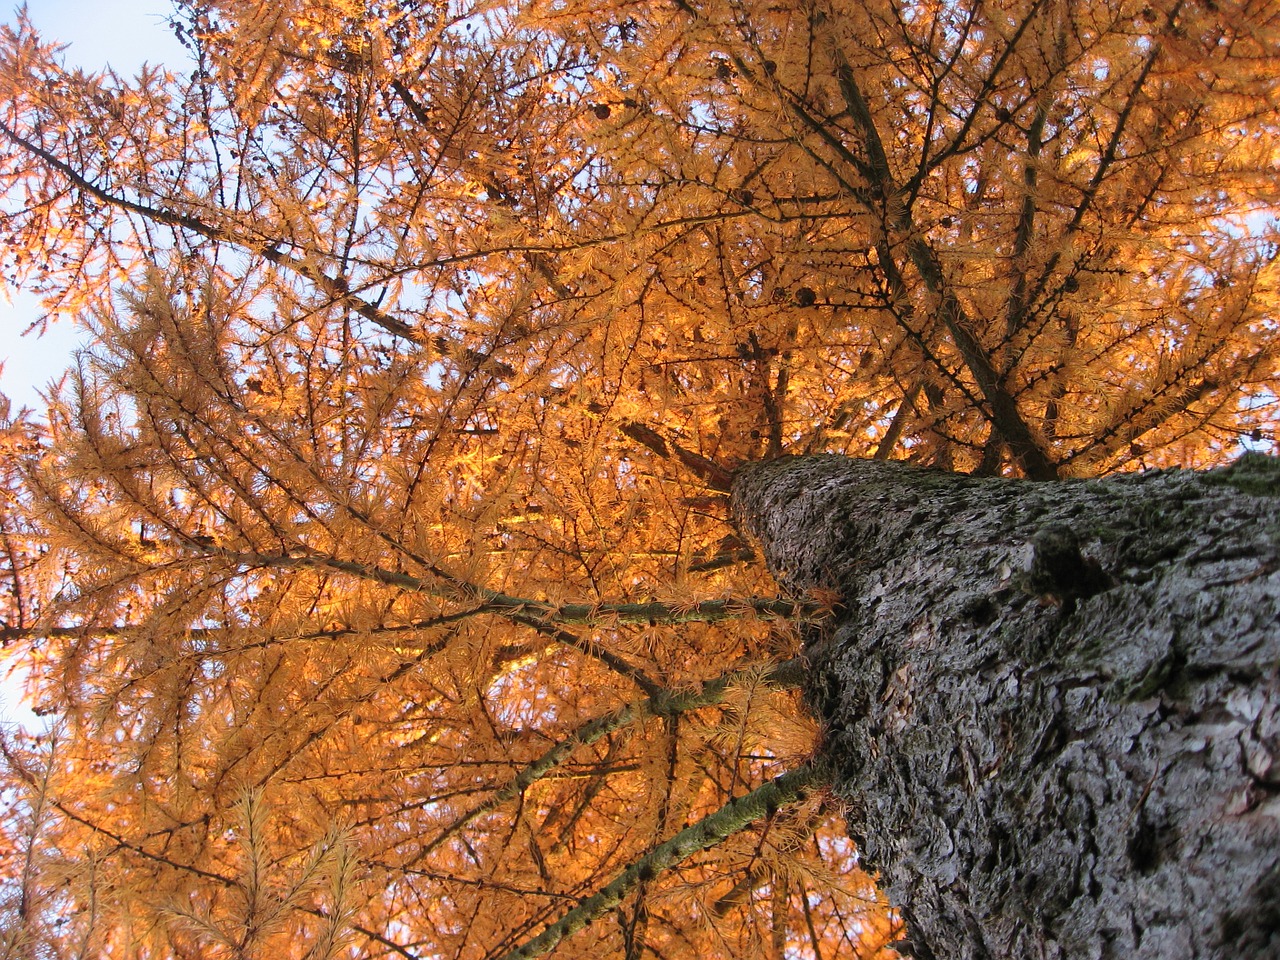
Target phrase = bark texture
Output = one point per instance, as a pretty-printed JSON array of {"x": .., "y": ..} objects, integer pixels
[{"x": 1053, "y": 708}]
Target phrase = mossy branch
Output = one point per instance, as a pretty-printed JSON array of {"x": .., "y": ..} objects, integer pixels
[
  {"x": 586, "y": 614},
  {"x": 662, "y": 704},
  {"x": 762, "y": 802}
]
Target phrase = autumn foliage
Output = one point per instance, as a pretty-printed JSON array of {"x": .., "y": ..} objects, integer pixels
[{"x": 372, "y": 565}]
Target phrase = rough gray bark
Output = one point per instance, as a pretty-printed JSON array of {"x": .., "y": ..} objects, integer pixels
[{"x": 1053, "y": 708}]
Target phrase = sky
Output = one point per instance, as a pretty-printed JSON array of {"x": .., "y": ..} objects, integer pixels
[{"x": 123, "y": 34}]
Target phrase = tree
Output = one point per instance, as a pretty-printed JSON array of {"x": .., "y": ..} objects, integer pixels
[
  {"x": 1054, "y": 710},
  {"x": 376, "y": 558}
]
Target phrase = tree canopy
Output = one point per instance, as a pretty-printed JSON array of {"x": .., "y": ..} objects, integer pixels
[{"x": 374, "y": 559}]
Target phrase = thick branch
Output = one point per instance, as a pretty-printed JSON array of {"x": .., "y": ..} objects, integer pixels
[
  {"x": 710, "y": 472},
  {"x": 1016, "y": 307},
  {"x": 762, "y": 802},
  {"x": 1006, "y": 418},
  {"x": 254, "y": 638},
  {"x": 525, "y": 609},
  {"x": 663, "y": 704}
]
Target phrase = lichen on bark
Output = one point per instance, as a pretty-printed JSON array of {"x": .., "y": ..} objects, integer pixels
[{"x": 1053, "y": 708}]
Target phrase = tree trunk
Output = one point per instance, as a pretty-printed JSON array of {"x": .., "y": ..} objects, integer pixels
[{"x": 1052, "y": 708}]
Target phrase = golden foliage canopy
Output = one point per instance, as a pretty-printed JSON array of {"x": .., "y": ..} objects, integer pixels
[{"x": 373, "y": 558}]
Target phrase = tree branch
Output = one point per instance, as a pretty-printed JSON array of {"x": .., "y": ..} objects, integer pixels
[
  {"x": 705, "y": 469},
  {"x": 1109, "y": 155},
  {"x": 664, "y": 703},
  {"x": 336, "y": 288},
  {"x": 1006, "y": 418},
  {"x": 764, "y": 801},
  {"x": 1016, "y": 306}
]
